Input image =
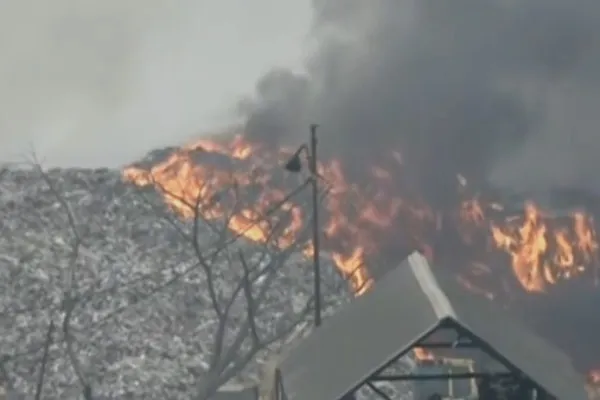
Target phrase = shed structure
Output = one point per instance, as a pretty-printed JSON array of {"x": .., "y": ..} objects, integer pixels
[{"x": 413, "y": 306}]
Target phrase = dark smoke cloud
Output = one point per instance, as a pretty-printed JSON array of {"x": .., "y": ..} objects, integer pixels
[{"x": 502, "y": 90}]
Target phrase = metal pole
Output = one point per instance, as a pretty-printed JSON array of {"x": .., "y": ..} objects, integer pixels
[{"x": 316, "y": 232}]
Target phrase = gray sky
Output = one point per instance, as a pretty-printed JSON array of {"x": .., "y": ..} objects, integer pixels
[{"x": 98, "y": 83}]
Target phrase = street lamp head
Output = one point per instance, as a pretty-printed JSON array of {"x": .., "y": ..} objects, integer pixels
[{"x": 294, "y": 164}]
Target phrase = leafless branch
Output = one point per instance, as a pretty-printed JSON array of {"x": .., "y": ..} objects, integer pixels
[
  {"x": 224, "y": 307},
  {"x": 228, "y": 360},
  {"x": 42, "y": 373},
  {"x": 379, "y": 392},
  {"x": 245, "y": 284},
  {"x": 233, "y": 210},
  {"x": 222, "y": 243},
  {"x": 69, "y": 301},
  {"x": 69, "y": 306},
  {"x": 233, "y": 360},
  {"x": 250, "y": 306},
  {"x": 71, "y": 270},
  {"x": 237, "y": 295}
]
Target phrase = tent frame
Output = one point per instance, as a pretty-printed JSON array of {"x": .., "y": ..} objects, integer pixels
[{"x": 465, "y": 339}]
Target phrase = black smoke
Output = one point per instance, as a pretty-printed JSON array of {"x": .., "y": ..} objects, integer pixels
[
  {"x": 506, "y": 92},
  {"x": 503, "y": 91}
]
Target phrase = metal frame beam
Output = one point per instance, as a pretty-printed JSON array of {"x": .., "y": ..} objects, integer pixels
[
  {"x": 497, "y": 356},
  {"x": 464, "y": 339},
  {"x": 448, "y": 345},
  {"x": 434, "y": 377}
]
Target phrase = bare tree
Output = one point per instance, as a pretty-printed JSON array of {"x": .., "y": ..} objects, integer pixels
[
  {"x": 241, "y": 309},
  {"x": 135, "y": 296},
  {"x": 68, "y": 299}
]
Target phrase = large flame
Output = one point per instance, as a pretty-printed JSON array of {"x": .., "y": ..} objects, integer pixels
[
  {"x": 243, "y": 182},
  {"x": 362, "y": 219}
]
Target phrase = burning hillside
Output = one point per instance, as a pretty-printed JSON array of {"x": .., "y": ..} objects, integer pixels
[{"x": 507, "y": 253}]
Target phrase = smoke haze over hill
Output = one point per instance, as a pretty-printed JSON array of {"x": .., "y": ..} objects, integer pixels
[{"x": 99, "y": 83}]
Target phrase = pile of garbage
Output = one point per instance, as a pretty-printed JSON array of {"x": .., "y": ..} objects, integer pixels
[{"x": 102, "y": 291}]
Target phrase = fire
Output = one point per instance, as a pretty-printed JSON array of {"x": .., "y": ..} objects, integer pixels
[
  {"x": 422, "y": 354},
  {"x": 244, "y": 184},
  {"x": 593, "y": 384},
  {"x": 542, "y": 254}
]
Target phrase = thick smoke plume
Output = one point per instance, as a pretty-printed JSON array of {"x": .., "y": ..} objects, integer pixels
[
  {"x": 100, "y": 83},
  {"x": 501, "y": 90}
]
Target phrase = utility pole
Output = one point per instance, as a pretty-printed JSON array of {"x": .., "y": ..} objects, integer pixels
[
  {"x": 294, "y": 165},
  {"x": 316, "y": 227}
]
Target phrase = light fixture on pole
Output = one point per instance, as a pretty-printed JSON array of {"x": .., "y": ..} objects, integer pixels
[{"x": 294, "y": 164}]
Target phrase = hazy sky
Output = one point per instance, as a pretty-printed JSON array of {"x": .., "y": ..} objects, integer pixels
[{"x": 94, "y": 83}]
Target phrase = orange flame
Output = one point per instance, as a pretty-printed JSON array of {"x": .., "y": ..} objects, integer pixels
[
  {"x": 542, "y": 254},
  {"x": 360, "y": 217},
  {"x": 422, "y": 354}
]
